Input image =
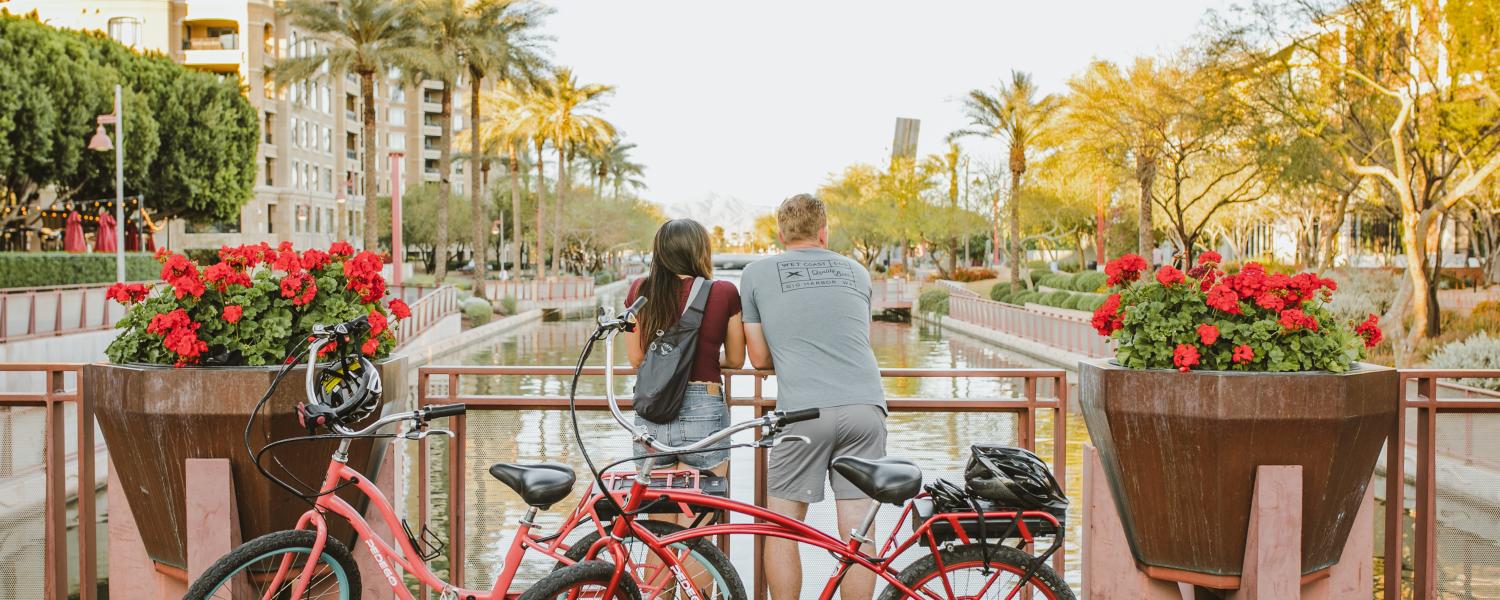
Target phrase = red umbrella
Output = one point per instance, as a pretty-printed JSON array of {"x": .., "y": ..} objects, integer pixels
[
  {"x": 104, "y": 241},
  {"x": 73, "y": 234},
  {"x": 150, "y": 240},
  {"x": 132, "y": 237}
]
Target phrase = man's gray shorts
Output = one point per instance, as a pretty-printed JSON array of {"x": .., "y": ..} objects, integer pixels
[{"x": 797, "y": 470}]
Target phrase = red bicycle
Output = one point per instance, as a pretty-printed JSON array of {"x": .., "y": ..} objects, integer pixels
[
  {"x": 306, "y": 562},
  {"x": 966, "y": 557}
]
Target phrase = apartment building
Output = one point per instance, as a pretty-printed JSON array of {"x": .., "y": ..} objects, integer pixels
[{"x": 309, "y": 188}]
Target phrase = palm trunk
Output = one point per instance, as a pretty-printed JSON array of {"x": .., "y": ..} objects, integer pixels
[
  {"x": 515, "y": 209},
  {"x": 445, "y": 184},
  {"x": 1145, "y": 175},
  {"x": 479, "y": 225},
  {"x": 367, "y": 163},
  {"x": 562, "y": 177},
  {"x": 541, "y": 212},
  {"x": 1015, "y": 229},
  {"x": 995, "y": 230}
]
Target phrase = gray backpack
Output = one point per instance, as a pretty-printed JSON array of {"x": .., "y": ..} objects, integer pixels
[{"x": 662, "y": 380}]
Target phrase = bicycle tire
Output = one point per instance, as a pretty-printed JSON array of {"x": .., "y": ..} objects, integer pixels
[
  {"x": 708, "y": 554},
  {"x": 229, "y": 567},
  {"x": 925, "y": 570},
  {"x": 563, "y": 582}
]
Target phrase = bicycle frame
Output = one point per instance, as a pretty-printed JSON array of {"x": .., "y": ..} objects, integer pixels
[
  {"x": 778, "y": 525},
  {"x": 389, "y": 559}
]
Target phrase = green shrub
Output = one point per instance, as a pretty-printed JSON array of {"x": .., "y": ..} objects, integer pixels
[
  {"x": 1056, "y": 298},
  {"x": 507, "y": 306},
  {"x": 1089, "y": 281},
  {"x": 1068, "y": 265},
  {"x": 606, "y": 276},
  {"x": 33, "y": 269},
  {"x": 1036, "y": 275},
  {"x": 1479, "y": 351},
  {"x": 933, "y": 301},
  {"x": 1026, "y": 296},
  {"x": 1038, "y": 265},
  {"x": 1091, "y": 302},
  {"x": 477, "y": 310},
  {"x": 1057, "y": 281},
  {"x": 1001, "y": 292}
]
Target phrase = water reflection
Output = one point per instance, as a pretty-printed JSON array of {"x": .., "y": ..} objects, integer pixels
[{"x": 937, "y": 441}]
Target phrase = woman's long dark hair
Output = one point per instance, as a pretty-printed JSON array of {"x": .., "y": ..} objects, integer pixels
[{"x": 681, "y": 248}]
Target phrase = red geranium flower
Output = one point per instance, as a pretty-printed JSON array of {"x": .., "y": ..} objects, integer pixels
[
  {"x": 1370, "y": 330},
  {"x": 370, "y": 346},
  {"x": 232, "y": 313},
  {"x": 1168, "y": 275},
  {"x": 364, "y": 275},
  {"x": 341, "y": 249},
  {"x": 223, "y": 275},
  {"x": 1208, "y": 334},
  {"x": 180, "y": 335},
  {"x": 1124, "y": 269},
  {"x": 1293, "y": 319},
  {"x": 127, "y": 293},
  {"x": 1107, "y": 317},
  {"x": 182, "y": 275},
  {"x": 300, "y": 287},
  {"x": 1209, "y": 258},
  {"x": 1223, "y": 298},
  {"x": 400, "y": 309},
  {"x": 1185, "y": 357},
  {"x": 1243, "y": 353},
  {"x": 313, "y": 258},
  {"x": 377, "y": 322}
]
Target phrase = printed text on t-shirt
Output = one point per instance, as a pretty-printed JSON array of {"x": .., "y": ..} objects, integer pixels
[{"x": 802, "y": 274}]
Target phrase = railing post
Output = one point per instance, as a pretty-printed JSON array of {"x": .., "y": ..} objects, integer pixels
[
  {"x": 1424, "y": 546},
  {"x": 56, "y": 527}
]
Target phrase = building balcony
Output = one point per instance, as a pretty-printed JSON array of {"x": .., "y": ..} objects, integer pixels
[
  {"x": 432, "y": 107},
  {"x": 213, "y": 59}
]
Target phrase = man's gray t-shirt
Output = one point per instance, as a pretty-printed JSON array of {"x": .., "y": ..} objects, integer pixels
[{"x": 814, "y": 308}]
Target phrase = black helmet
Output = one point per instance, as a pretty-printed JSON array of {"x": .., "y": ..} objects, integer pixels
[
  {"x": 350, "y": 387},
  {"x": 1014, "y": 478}
]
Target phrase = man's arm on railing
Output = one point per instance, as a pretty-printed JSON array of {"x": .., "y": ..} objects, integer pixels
[{"x": 755, "y": 345}]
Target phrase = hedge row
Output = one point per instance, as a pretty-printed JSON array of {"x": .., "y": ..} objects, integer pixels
[
  {"x": 1001, "y": 292},
  {"x": 35, "y": 269},
  {"x": 1086, "y": 281}
]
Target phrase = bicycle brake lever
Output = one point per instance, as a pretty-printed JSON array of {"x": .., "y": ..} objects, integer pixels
[
  {"x": 774, "y": 441},
  {"x": 419, "y": 434}
]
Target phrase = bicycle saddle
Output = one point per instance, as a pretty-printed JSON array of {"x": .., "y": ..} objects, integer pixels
[
  {"x": 539, "y": 484},
  {"x": 888, "y": 480}
]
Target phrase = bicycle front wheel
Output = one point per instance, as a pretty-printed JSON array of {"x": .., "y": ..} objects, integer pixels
[
  {"x": 587, "y": 580},
  {"x": 250, "y": 570},
  {"x": 711, "y": 573},
  {"x": 971, "y": 576}
]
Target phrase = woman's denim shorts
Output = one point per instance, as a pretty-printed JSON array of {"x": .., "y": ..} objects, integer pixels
[{"x": 702, "y": 415}]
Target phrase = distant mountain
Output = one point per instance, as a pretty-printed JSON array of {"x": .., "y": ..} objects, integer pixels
[{"x": 729, "y": 212}]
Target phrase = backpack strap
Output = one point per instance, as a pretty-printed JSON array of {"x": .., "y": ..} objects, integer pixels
[{"x": 692, "y": 314}]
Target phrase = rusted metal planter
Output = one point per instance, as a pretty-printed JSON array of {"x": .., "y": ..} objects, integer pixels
[
  {"x": 155, "y": 418},
  {"x": 1180, "y": 451}
]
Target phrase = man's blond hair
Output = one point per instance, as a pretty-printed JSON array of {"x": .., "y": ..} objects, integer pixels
[{"x": 800, "y": 218}]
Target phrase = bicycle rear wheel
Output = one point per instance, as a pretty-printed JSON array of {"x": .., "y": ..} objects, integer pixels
[
  {"x": 249, "y": 571},
  {"x": 587, "y": 580},
  {"x": 964, "y": 568},
  {"x": 713, "y": 576}
]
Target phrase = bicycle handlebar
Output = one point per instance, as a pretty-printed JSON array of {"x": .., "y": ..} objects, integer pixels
[
  {"x": 445, "y": 410},
  {"x": 611, "y": 328}
]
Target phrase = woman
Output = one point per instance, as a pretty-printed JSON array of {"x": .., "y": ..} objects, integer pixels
[{"x": 681, "y": 252}]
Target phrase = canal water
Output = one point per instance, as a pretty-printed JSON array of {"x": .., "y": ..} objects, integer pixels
[{"x": 939, "y": 442}]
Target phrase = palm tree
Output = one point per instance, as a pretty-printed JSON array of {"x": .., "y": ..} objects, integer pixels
[
  {"x": 363, "y": 37},
  {"x": 506, "y": 105},
  {"x": 1014, "y": 114},
  {"x": 498, "y": 43},
  {"x": 441, "y": 25},
  {"x": 563, "y": 119},
  {"x": 613, "y": 162}
]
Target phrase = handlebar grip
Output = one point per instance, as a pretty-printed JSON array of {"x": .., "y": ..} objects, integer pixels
[
  {"x": 445, "y": 410},
  {"x": 634, "y": 307},
  {"x": 806, "y": 414}
]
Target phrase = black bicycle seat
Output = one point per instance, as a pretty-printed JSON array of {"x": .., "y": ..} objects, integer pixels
[
  {"x": 889, "y": 480},
  {"x": 539, "y": 484}
]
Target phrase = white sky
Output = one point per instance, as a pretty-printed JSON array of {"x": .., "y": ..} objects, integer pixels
[{"x": 752, "y": 101}]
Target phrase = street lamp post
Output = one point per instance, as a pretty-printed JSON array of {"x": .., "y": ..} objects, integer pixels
[
  {"x": 100, "y": 141},
  {"x": 398, "y": 256}
]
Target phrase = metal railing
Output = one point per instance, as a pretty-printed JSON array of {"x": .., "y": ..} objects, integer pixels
[
  {"x": 1425, "y": 399},
  {"x": 1064, "y": 332},
  {"x": 52, "y": 399},
  {"x": 429, "y": 309},
  {"x": 550, "y": 290},
  {"x": 894, "y": 292},
  {"x": 56, "y": 310},
  {"x": 1025, "y": 408}
]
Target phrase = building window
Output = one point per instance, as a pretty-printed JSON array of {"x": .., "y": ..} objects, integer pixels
[
  {"x": 270, "y": 126},
  {"x": 396, "y": 141},
  {"x": 317, "y": 226},
  {"x": 328, "y": 139},
  {"x": 268, "y": 35},
  {"x": 312, "y": 177},
  {"x": 397, "y": 116},
  {"x": 327, "y": 179},
  {"x": 270, "y": 171},
  {"x": 271, "y": 218},
  {"x": 126, "y": 30}
]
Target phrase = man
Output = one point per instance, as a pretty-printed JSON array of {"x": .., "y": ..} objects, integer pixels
[{"x": 807, "y": 313}]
